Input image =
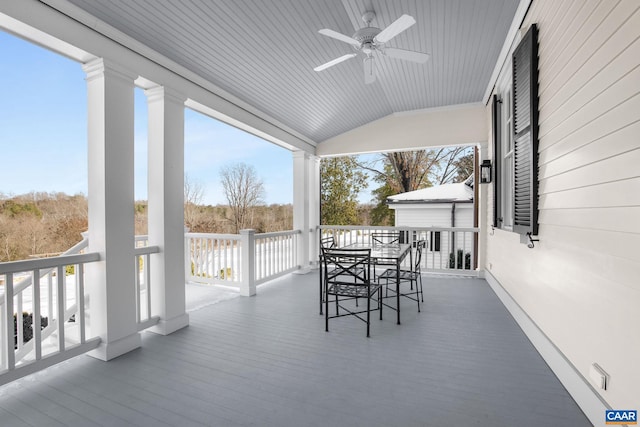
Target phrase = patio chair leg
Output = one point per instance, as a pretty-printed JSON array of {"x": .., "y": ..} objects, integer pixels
[
  {"x": 326, "y": 312},
  {"x": 321, "y": 291},
  {"x": 368, "y": 311},
  {"x": 380, "y": 301},
  {"x": 417, "y": 294}
]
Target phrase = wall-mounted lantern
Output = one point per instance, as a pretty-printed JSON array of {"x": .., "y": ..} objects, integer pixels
[{"x": 485, "y": 172}]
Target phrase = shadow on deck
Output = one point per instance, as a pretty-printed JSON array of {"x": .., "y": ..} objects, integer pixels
[{"x": 267, "y": 361}]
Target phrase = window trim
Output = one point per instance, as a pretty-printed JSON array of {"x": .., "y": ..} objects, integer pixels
[{"x": 496, "y": 112}]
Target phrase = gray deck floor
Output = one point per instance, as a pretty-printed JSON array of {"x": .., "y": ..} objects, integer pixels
[{"x": 267, "y": 361}]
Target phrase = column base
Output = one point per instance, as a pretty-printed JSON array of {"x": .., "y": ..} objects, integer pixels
[
  {"x": 247, "y": 291},
  {"x": 302, "y": 270},
  {"x": 110, "y": 350},
  {"x": 166, "y": 327}
]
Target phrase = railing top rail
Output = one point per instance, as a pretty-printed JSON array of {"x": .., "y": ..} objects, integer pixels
[
  {"x": 357, "y": 227},
  {"x": 278, "y": 234},
  {"x": 40, "y": 263},
  {"x": 77, "y": 247},
  {"x": 402, "y": 228},
  {"x": 213, "y": 236},
  {"x": 146, "y": 250}
]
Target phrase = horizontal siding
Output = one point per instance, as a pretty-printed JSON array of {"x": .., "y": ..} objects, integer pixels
[
  {"x": 621, "y": 219},
  {"x": 609, "y": 122},
  {"x": 585, "y": 46},
  {"x": 580, "y": 284},
  {"x": 622, "y": 62},
  {"x": 616, "y": 194},
  {"x": 616, "y": 168},
  {"x": 612, "y": 98},
  {"x": 433, "y": 217},
  {"x": 620, "y": 141}
]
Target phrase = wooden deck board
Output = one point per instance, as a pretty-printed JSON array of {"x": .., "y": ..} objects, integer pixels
[{"x": 267, "y": 361}]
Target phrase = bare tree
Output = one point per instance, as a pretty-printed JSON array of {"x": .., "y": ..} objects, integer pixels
[
  {"x": 193, "y": 195},
  {"x": 400, "y": 172},
  {"x": 243, "y": 190}
]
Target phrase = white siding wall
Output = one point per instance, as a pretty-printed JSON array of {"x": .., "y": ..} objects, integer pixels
[
  {"x": 438, "y": 215},
  {"x": 433, "y": 215},
  {"x": 581, "y": 284}
]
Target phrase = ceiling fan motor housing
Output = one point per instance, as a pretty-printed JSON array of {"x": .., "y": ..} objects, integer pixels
[{"x": 366, "y": 35}]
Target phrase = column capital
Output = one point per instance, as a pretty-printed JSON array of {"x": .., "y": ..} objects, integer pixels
[
  {"x": 301, "y": 154},
  {"x": 100, "y": 67},
  {"x": 164, "y": 93}
]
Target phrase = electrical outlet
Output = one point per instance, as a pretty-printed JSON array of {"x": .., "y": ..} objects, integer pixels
[{"x": 598, "y": 376}]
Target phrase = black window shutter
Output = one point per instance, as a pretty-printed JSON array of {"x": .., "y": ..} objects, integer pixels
[
  {"x": 497, "y": 159},
  {"x": 525, "y": 134}
]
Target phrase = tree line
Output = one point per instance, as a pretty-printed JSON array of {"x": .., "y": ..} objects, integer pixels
[{"x": 47, "y": 224}]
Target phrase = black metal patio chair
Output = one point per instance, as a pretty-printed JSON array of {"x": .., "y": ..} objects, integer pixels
[
  {"x": 411, "y": 276},
  {"x": 347, "y": 279},
  {"x": 384, "y": 238},
  {"x": 327, "y": 242}
]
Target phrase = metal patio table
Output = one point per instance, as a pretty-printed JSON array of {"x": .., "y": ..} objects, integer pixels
[{"x": 388, "y": 255}]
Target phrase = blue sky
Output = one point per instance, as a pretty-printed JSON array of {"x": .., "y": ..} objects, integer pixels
[{"x": 43, "y": 133}]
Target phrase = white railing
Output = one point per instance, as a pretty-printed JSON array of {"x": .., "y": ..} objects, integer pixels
[
  {"x": 276, "y": 254},
  {"x": 218, "y": 258},
  {"x": 143, "y": 253},
  {"x": 213, "y": 258},
  {"x": 448, "y": 249},
  {"x": 59, "y": 293},
  {"x": 46, "y": 297}
]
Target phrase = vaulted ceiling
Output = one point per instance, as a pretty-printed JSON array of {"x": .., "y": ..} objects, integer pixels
[{"x": 264, "y": 52}]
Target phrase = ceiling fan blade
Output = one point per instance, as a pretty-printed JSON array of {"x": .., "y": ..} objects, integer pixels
[
  {"x": 334, "y": 62},
  {"x": 396, "y": 27},
  {"x": 369, "y": 72},
  {"x": 407, "y": 55},
  {"x": 339, "y": 36}
]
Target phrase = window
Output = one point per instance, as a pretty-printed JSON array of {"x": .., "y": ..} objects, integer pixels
[
  {"x": 515, "y": 141},
  {"x": 434, "y": 241}
]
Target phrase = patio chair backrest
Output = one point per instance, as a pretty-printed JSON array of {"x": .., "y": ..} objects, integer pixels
[
  {"x": 348, "y": 266},
  {"x": 385, "y": 238},
  {"x": 328, "y": 242},
  {"x": 420, "y": 246}
]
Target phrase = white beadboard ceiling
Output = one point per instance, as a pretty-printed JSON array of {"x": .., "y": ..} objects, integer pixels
[{"x": 264, "y": 52}]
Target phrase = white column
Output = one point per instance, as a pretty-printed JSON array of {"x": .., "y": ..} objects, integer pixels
[
  {"x": 111, "y": 282},
  {"x": 248, "y": 260},
  {"x": 314, "y": 210},
  {"x": 304, "y": 205},
  {"x": 166, "y": 208}
]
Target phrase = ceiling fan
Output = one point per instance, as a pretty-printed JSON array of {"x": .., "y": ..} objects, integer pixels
[{"x": 371, "y": 41}]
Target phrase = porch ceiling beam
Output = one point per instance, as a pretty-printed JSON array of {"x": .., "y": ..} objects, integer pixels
[{"x": 456, "y": 125}]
